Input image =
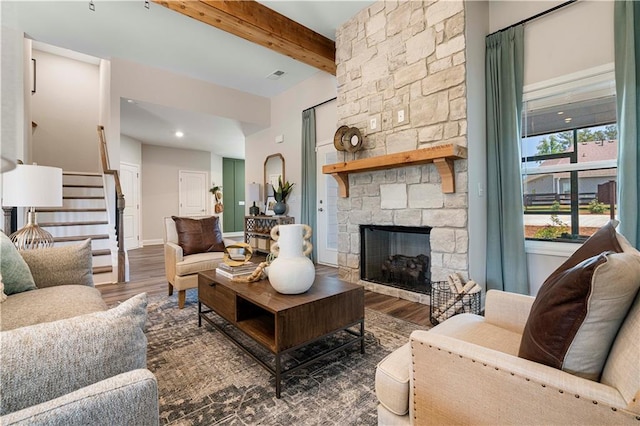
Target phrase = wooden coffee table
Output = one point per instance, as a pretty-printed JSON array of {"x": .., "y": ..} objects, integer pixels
[{"x": 283, "y": 323}]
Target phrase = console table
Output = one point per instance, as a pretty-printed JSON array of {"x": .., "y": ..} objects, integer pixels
[{"x": 257, "y": 230}]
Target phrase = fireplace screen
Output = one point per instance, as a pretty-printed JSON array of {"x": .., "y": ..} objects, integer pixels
[{"x": 397, "y": 256}]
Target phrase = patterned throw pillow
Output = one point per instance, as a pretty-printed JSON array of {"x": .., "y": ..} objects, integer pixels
[
  {"x": 16, "y": 275},
  {"x": 199, "y": 235}
]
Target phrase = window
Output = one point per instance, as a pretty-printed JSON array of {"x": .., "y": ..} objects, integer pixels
[{"x": 569, "y": 148}]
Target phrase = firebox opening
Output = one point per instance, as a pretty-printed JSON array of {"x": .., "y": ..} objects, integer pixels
[{"x": 397, "y": 256}]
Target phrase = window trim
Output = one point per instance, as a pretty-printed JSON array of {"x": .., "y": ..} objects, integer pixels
[{"x": 551, "y": 248}]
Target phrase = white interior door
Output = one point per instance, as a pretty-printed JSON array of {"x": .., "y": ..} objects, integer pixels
[
  {"x": 193, "y": 193},
  {"x": 130, "y": 182},
  {"x": 327, "y": 204}
]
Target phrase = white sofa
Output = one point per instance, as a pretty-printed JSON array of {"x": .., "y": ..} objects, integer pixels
[{"x": 182, "y": 271}]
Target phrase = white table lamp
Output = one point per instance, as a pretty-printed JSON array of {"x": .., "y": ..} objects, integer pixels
[{"x": 32, "y": 186}]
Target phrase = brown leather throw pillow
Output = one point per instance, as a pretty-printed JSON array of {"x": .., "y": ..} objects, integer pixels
[
  {"x": 580, "y": 307},
  {"x": 199, "y": 235},
  {"x": 556, "y": 314},
  {"x": 604, "y": 239}
]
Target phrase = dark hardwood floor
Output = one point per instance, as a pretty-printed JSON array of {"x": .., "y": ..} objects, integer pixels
[{"x": 146, "y": 274}]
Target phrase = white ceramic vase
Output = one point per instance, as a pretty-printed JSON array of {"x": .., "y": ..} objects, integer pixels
[{"x": 292, "y": 272}]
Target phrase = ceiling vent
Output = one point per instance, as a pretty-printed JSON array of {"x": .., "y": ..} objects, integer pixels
[{"x": 275, "y": 75}]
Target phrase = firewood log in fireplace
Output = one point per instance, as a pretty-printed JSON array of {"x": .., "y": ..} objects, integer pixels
[{"x": 408, "y": 270}]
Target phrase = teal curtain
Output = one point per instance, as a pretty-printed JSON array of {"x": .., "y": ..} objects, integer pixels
[
  {"x": 506, "y": 257},
  {"x": 627, "y": 59},
  {"x": 308, "y": 212}
]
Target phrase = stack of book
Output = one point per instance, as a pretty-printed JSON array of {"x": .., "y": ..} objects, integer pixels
[{"x": 231, "y": 272}]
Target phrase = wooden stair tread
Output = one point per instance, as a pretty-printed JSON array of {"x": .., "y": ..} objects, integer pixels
[
  {"x": 77, "y": 185},
  {"x": 62, "y": 209},
  {"x": 96, "y": 222},
  {"x": 82, "y": 197},
  {"x": 105, "y": 252},
  {"x": 102, "y": 269},
  {"x": 80, "y": 238},
  {"x": 66, "y": 172}
]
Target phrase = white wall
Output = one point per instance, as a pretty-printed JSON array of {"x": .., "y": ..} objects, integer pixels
[
  {"x": 13, "y": 84},
  {"x": 571, "y": 39},
  {"x": 136, "y": 81},
  {"x": 65, "y": 108},
  {"x": 574, "y": 38},
  {"x": 130, "y": 150},
  {"x": 326, "y": 121},
  {"x": 215, "y": 176},
  {"x": 162, "y": 174},
  {"x": 286, "y": 120},
  {"x": 160, "y": 186},
  {"x": 477, "y": 28}
]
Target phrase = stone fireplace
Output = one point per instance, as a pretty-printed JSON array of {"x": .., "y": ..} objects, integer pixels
[{"x": 406, "y": 59}]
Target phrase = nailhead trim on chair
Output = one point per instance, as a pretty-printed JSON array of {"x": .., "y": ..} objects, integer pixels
[{"x": 614, "y": 409}]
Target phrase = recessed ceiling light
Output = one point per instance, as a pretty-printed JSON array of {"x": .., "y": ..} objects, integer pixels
[
  {"x": 179, "y": 134},
  {"x": 560, "y": 112},
  {"x": 567, "y": 120}
]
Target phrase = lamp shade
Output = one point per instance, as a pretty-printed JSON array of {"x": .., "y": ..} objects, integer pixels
[
  {"x": 32, "y": 186},
  {"x": 253, "y": 192}
]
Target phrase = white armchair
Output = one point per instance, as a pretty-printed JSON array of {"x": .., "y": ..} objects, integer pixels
[
  {"x": 466, "y": 370},
  {"x": 182, "y": 271}
]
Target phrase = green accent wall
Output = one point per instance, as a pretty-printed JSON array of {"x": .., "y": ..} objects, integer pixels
[{"x": 233, "y": 195}]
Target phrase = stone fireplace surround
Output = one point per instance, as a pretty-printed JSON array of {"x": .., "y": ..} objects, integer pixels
[
  {"x": 406, "y": 56},
  {"x": 406, "y": 196}
]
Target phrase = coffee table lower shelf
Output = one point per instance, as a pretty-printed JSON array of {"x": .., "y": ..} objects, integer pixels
[{"x": 278, "y": 372}]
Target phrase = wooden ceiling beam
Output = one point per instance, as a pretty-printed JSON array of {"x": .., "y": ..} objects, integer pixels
[{"x": 266, "y": 27}]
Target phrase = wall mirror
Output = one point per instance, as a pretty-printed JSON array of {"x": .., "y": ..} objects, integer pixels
[{"x": 273, "y": 169}]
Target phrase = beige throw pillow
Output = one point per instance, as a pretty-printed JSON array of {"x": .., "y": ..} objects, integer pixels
[
  {"x": 63, "y": 265},
  {"x": 44, "y": 361}
]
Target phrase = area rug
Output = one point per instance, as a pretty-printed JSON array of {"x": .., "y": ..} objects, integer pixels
[{"x": 204, "y": 379}]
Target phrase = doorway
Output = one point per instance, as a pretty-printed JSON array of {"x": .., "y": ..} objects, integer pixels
[
  {"x": 327, "y": 204},
  {"x": 130, "y": 182},
  {"x": 192, "y": 193}
]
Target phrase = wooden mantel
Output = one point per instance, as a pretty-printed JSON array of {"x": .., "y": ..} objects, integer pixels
[{"x": 441, "y": 155}]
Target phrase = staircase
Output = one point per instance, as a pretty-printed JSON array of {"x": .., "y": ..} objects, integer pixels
[{"x": 84, "y": 215}]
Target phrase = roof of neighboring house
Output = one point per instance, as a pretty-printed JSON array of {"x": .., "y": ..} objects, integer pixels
[{"x": 587, "y": 152}]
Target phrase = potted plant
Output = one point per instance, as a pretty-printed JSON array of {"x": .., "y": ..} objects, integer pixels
[
  {"x": 280, "y": 194},
  {"x": 217, "y": 198}
]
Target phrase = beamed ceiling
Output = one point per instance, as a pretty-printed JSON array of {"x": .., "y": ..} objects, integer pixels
[{"x": 257, "y": 23}]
